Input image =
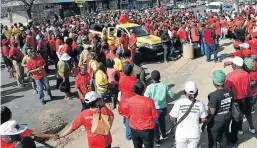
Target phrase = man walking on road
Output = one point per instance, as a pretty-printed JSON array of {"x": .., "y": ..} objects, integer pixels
[
  {"x": 16, "y": 55},
  {"x": 188, "y": 131},
  {"x": 159, "y": 92},
  {"x": 35, "y": 65}
]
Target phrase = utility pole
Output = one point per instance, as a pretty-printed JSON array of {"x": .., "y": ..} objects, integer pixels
[{"x": 10, "y": 15}]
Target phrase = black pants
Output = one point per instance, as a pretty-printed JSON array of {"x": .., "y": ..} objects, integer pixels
[
  {"x": 161, "y": 125},
  {"x": 245, "y": 107},
  {"x": 140, "y": 137},
  {"x": 218, "y": 130},
  {"x": 67, "y": 91}
]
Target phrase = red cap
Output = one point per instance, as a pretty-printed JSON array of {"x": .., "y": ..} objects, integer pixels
[
  {"x": 4, "y": 41},
  {"x": 236, "y": 44}
]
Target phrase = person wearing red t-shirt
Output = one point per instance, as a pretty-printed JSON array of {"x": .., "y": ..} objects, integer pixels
[
  {"x": 126, "y": 82},
  {"x": 82, "y": 84},
  {"x": 58, "y": 42},
  {"x": 182, "y": 34},
  {"x": 239, "y": 82},
  {"x": 35, "y": 65},
  {"x": 7, "y": 60},
  {"x": 16, "y": 55},
  {"x": 142, "y": 116},
  {"x": 6, "y": 115},
  {"x": 123, "y": 41},
  {"x": 253, "y": 47},
  {"x": 132, "y": 43},
  {"x": 95, "y": 103},
  {"x": 67, "y": 47}
]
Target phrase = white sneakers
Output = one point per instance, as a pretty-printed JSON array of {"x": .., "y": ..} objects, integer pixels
[
  {"x": 240, "y": 132},
  {"x": 252, "y": 130}
]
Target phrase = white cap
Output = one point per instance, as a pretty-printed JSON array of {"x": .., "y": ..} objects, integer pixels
[
  {"x": 237, "y": 61},
  {"x": 11, "y": 128},
  {"x": 65, "y": 57},
  {"x": 91, "y": 96},
  {"x": 191, "y": 87},
  {"x": 244, "y": 45}
]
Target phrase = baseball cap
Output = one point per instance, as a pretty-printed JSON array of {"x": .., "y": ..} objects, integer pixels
[
  {"x": 4, "y": 41},
  {"x": 244, "y": 45},
  {"x": 12, "y": 128},
  {"x": 237, "y": 61},
  {"x": 218, "y": 77},
  {"x": 249, "y": 63},
  {"x": 191, "y": 87},
  {"x": 91, "y": 96}
]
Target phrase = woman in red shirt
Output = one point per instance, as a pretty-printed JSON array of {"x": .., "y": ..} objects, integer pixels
[
  {"x": 142, "y": 115},
  {"x": 7, "y": 61},
  {"x": 95, "y": 102}
]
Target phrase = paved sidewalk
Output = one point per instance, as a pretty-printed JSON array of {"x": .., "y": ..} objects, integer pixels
[{"x": 174, "y": 74}]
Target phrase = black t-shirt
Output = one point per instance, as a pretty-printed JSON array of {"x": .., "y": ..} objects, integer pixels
[
  {"x": 221, "y": 100},
  {"x": 26, "y": 142},
  {"x": 164, "y": 37}
]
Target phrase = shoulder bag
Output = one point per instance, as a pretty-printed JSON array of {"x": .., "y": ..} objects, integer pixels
[
  {"x": 184, "y": 116},
  {"x": 101, "y": 124}
]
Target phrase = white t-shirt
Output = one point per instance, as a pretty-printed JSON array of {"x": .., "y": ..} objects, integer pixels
[{"x": 190, "y": 126}]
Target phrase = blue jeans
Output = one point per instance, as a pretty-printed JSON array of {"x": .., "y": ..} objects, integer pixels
[
  {"x": 209, "y": 48},
  {"x": 182, "y": 43},
  {"x": 118, "y": 52},
  {"x": 166, "y": 49},
  {"x": 203, "y": 46},
  {"x": 41, "y": 83},
  {"x": 195, "y": 45},
  {"x": 222, "y": 34},
  {"x": 93, "y": 85},
  {"x": 128, "y": 130},
  {"x": 160, "y": 124}
]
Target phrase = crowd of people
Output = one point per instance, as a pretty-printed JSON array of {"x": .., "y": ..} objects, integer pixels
[{"x": 110, "y": 75}]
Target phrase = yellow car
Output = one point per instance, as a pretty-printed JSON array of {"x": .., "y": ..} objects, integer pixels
[{"x": 149, "y": 45}]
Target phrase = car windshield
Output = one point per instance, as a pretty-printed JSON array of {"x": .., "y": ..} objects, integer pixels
[
  {"x": 139, "y": 31},
  {"x": 227, "y": 6},
  {"x": 213, "y": 7}
]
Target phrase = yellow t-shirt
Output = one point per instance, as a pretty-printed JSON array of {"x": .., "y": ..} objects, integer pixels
[
  {"x": 93, "y": 64},
  {"x": 16, "y": 31},
  {"x": 7, "y": 34},
  {"x": 101, "y": 82},
  {"x": 118, "y": 64}
]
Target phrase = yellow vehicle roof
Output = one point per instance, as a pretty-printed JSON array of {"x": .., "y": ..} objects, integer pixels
[{"x": 128, "y": 25}]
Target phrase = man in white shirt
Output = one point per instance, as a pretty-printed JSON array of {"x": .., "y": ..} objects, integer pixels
[{"x": 188, "y": 131}]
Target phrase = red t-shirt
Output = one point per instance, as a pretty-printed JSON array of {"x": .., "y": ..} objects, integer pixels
[
  {"x": 16, "y": 53},
  {"x": 110, "y": 56},
  {"x": 239, "y": 81},
  {"x": 58, "y": 43},
  {"x": 5, "y": 50},
  {"x": 223, "y": 23},
  {"x": 253, "y": 46},
  {"x": 211, "y": 20},
  {"x": 125, "y": 85},
  {"x": 141, "y": 112},
  {"x": 85, "y": 119},
  {"x": 64, "y": 49},
  {"x": 74, "y": 45},
  {"x": 34, "y": 64},
  {"x": 52, "y": 45},
  {"x": 82, "y": 82},
  {"x": 124, "y": 41},
  {"x": 27, "y": 132},
  {"x": 182, "y": 34}
]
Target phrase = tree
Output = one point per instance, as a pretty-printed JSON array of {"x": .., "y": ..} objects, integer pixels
[
  {"x": 28, "y": 5},
  {"x": 236, "y": 5}
]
